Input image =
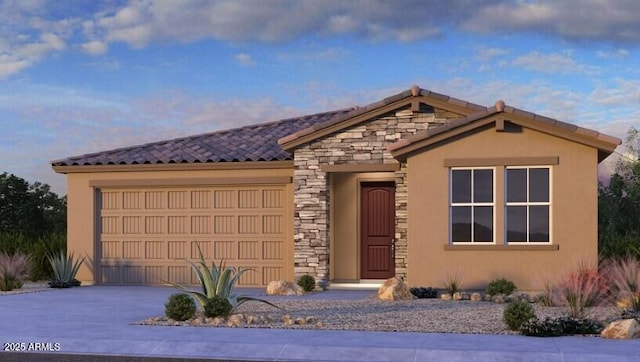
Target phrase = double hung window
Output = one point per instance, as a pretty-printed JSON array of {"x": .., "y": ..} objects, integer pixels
[
  {"x": 472, "y": 205},
  {"x": 528, "y": 204}
]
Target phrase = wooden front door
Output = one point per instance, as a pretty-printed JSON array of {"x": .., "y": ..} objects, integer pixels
[{"x": 377, "y": 220}]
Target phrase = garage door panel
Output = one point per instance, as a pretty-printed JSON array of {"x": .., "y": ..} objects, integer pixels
[{"x": 146, "y": 235}]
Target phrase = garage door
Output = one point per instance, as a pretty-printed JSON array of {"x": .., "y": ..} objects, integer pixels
[{"x": 147, "y": 233}]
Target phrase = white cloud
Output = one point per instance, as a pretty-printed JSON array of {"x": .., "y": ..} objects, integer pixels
[
  {"x": 25, "y": 54},
  {"x": 486, "y": 54},
  {"x": 618, "y": 53},
  {"x": 550, "y": 63},
  {"x": 94, "y": 47},
  {"x": 245, "y": 59}
]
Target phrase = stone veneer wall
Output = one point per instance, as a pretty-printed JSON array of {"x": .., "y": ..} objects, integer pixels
[{"x": 361, "y": 144}]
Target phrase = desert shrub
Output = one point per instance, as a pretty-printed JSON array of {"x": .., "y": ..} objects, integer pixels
[
  {"x": 625, "y": 277},
  {"x": 217, "y": 306},
  {"x": 37, "y": 247},
  {"x": 180, "y": 307},
  {"x": 517, "y": 313},
  {"x": 217, "y": 281},
  {"x": 65, "y": 269},
  {"x": 563, "y": 326},
  {"x": 13, "y": 270},
  {"x": 547, "y": 295},
  {"x": 500, "y": 286},
  {"x": 422, "y": 292},
  {"x": 549, "y": 327},
  {"x": 452, "y": 283},
  {"x": 307, "y": 283},
  {"x": 579, "y": 290},
  {"x": 571, "y": 326}
]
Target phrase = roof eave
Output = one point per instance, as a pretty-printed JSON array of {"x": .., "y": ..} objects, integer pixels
[
  {"x": 605, "y": 144},
  {"x": 239, "y": 165}
]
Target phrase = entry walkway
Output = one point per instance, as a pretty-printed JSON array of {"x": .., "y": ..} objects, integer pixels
[{"x": 96, "y": 320}]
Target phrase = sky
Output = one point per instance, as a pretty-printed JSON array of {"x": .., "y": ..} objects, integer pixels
[{"x": 92, "y": 75}]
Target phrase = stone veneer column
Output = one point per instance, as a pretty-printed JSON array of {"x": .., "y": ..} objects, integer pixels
[
  {"x": 402, "y": 202},
  {"x": 311, "y": 216}
]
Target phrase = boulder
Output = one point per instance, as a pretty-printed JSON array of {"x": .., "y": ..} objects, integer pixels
[
  {"x": 622, "y": 329},
  {"x": 445, "y": 296},
  {"x": 394, "y": 289},
  {"x": 460, "y": 296},
  {"x": 282, "y": 287},
  {"x": 475, "y": 297}
]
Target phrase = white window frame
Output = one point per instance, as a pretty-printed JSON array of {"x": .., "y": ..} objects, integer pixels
[
  {"x": 527, "y": 203},
  {"x": 472, "y": 205}
]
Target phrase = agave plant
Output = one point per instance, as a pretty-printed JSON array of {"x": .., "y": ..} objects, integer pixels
[
  {"x": 65, "y": 269},
  {"x": 217, "y": 281}
]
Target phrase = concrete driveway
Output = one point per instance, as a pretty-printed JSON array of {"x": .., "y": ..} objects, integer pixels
[{"x": 97, "y": 320}]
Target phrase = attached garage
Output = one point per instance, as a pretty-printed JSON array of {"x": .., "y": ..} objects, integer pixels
[
  {"x": 146, "y": 234},
  {"x": 139, "y": 213}
]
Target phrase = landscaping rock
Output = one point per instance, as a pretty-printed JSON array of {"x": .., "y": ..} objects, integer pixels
[
  {"x": 460, "y": 296},
  {"x": 394, "y": 289},
  {"x": 622, "y": 329},
  {"x": 498, "y": 298},
  {"x": 475, "y": 297},
  {"x": 282, "y": 287},
  {"x": 445, "y": 296}
]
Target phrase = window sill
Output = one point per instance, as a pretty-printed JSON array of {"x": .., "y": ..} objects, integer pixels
[{"x": 501, "y": 247}]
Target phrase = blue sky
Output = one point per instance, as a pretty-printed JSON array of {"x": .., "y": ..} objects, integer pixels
[{"x": 83, "y": 76}]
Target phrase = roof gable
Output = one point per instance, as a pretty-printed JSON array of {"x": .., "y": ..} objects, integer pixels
[
  {"x": 249, "y": 143},
  {"x": 413, "y": 98},
  {"x": 496, "y": 116}
]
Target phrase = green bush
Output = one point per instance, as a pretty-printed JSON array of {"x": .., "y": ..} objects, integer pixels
[
  {"x": 38, "y": 251},
  {"x": 563, "y": 326},
  {"x": 180, "y": 307},
  {"x": 517, "y": 313},
  {"x": 307, "y": 283},
  {"x": 618, "y": 246},
  {"x": 217, "y": 306},
  {"x": 500, "y": 286}
]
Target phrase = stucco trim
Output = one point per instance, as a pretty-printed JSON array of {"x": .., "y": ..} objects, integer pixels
[
  {"x": 501, "y": 161},
  {"x": 176, "y": 167},
  {"x": 502, "y": 247},
  {"x": 355, "y": 168},
  {"x": 192, "y": 181}
]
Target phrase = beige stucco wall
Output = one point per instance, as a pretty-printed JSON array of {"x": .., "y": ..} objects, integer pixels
[
  {"x": 82, "y": 214},
  {"x": 345, "y": 218},
  {"x": 573, "y": 221}
]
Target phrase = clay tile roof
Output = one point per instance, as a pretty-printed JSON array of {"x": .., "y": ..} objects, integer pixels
[{"x": 250, "y": 143}]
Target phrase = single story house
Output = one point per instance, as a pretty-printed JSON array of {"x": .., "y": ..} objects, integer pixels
[{"x": 418, "y": 185}]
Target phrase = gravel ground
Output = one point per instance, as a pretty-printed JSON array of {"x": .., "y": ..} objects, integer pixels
[
  {"x": 29, "y": 287},
  {"x": 371, "y": 314}
]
